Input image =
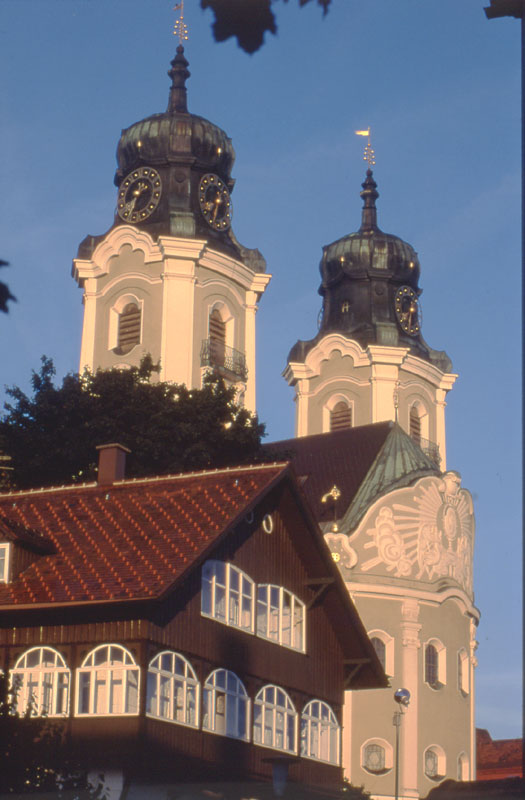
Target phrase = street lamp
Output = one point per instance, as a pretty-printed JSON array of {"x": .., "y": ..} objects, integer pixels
[{"x": 402, "y": 697}]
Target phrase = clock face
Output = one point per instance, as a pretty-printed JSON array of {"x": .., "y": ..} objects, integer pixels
[
  {"x": 215, "y": 203},
  {"x": 408, "y": 311},
  {"x": 139, "y": 194}
]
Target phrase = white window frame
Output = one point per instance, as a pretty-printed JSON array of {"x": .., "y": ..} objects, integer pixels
[
  {"x": 107, "y": 676},
  {"x": 271, "y": 604},
  {"x": 441, "y": 763},
  {"x": 173, "y": 691},
  {"x": 388, "y": 641},
  {"x": 273, "y": 711},
  {"x": 43, "y": 685},
  {"x": 388, "y": 752},
  {"x": 5, "y": 568},
  {"x": 463, "y": 672},
  {"x": 441, "y": 664},
  {"x": 319, "y": 732},
  {"x": 223, "y": 696},
  {"x": 329, "y": 406},
  {"x": 234, "y": 599}
]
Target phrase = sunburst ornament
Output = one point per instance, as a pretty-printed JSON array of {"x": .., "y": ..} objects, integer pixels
[
  {"x": 424, "y": 532},
  {"x": 180, "y": 28}
]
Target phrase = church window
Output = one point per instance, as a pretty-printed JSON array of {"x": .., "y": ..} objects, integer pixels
[
  {"x": 5, "y": 552},
  {"x": 225, "y": 705},
  {"x": 227, "y": 595},
  {"x": 217, "y": 336},
  {"x": 380, "y": 648},
  {"x": 280, "y": 616},
  {"x": 435, "y": 762},
  {"x": 463, "y": 675},
  {"x": 463, "y": 767},
  {"x": 320, "y": 732},
  {"x": 41, "y": 680},
  {"x": 129, "y": 327},
  {"x": 108, "y": 682},
  {"x": 275, "y": 720},
  {"x": 173, "y": 689},
  {"x": 415, "y": 425},
  {"x": 340, "y": 416},
  {"x": 374, "y": 758},
  {"x": 435, "y": 655}
]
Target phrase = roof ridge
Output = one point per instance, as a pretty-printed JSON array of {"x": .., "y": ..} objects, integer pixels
[{"x": 150, "y": 479}]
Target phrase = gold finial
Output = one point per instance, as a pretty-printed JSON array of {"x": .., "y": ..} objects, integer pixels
[
  {"x": 180, "y": 28},
  {"x": 369, "y": 155},
  {"x": 333, "y": 494}
]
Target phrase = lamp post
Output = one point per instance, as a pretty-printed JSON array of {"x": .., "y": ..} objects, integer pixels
[{"x": 402, "y": 697}]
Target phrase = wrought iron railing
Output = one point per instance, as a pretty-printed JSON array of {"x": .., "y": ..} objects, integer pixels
[
  {"x": 226, "y": 359},
  {"x": 429, "y": 448}
]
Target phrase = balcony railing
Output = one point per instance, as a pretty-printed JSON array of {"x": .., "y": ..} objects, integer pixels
[
  {"x": 429, "y": 448},
  {"x": 226, "y": 360}
]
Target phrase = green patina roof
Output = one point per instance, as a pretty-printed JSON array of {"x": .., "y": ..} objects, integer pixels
[{"x": 399, "y": 463}]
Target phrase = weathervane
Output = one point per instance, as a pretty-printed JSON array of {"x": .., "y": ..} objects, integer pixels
[
  {"x": 369, "y": 155},
  {"x": 180, "y": 28}
]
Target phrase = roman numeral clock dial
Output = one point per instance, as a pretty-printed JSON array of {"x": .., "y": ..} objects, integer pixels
[{"x": 408, "y": 310}]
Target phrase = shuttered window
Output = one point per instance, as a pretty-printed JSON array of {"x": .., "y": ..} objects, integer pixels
[
  {"x": 129, "y": 327},
  {"x": 340, "y": 417},
  {"x": 415, "y": 425},
  {"x": 217, "y": 334}
]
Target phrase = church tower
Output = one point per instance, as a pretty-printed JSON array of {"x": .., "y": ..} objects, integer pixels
[
  {"x": 369, "y": 361},
  {"x": 371, "y": 456},
  {"x": 169, "y": 278}
]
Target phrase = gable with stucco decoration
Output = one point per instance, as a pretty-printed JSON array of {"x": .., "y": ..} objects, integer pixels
[{"x": 424, "y": 532}]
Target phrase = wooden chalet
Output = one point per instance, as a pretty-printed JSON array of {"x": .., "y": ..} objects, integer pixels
[{"x": 190, "y": 629}]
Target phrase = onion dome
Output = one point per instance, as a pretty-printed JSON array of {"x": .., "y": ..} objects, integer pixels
[
  {"x": 370, "y": 290},
  {"x": 174, "y": 176}
]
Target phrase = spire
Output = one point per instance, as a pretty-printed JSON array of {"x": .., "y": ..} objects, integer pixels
[
  {"x": 369, "y": 195},
  {"x": 179, "y": 74}
]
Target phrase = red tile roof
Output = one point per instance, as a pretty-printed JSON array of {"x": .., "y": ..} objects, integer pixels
[
  {"x": 498, "y": 757},
  {"x": 131, "y": 540}
]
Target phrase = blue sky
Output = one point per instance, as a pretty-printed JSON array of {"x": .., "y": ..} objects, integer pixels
[{"x": 440, "y": 87}]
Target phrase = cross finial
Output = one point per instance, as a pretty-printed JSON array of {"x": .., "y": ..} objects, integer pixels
[
  {"x": 369, "y": 154},
  {"x": 180, "y": 28}
]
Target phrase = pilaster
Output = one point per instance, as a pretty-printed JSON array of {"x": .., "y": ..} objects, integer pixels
[{"x": 410, "y": 628}]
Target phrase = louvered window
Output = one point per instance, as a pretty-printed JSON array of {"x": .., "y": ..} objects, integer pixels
[
  {"x": 415, "y": 425},
  {"x": 129, "y": 327},
  {"x": 217, "y": 335},
  {"x": 340, "y": 417}
]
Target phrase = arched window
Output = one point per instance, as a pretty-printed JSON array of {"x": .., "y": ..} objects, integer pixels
[
  {"x": 227, "y": 595},
  {"x": 415, "y": 425},
  {"x": 463, "y": 672},
  {"x": 340, "y": 416},
  {"x": 128, "y": 328},
  {"x": 463, "y": 767},
  {"x": 435, "y": 664},
  {"x": 173, "y": 689},
  {"x": 108, "y": 682},
  {"x": 275, "y": 720},
  {"x": 41, "y": 679},
  {"x": 225, "y": 705},
  {"x": 320, "y": 732},
  {"x": 380, "y": 648},
  {"x": 217, "y": 336},
  {"x": 435, "y": 763},
  {"x": 280, "y": 616}
]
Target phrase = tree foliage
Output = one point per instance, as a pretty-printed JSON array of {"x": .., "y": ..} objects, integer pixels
[
  {"x": 35, "y": 757},
  {"x": 51, "y": 436},
  {"x": 247, "y": 20},
  {"x": 5, "y": 294}
]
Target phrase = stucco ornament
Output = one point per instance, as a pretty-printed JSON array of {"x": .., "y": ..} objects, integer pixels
[
  {"x": 429, "y": 536},
  {"x": 342, "y": 553}
]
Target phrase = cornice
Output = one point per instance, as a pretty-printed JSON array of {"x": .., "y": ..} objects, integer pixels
[{"x": 382, "y": 591}]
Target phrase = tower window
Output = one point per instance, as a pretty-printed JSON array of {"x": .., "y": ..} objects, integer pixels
[
  {"x": 129, "y": 327},
  {"x": 415, "y": 425},
  {"x": 435, "y": 664},
  {"x": 217, "y": 335},
  {"x": 380, "y": 648},
  {"x": 340, "y": 416},
  {"x": 374, "y": 758}
]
